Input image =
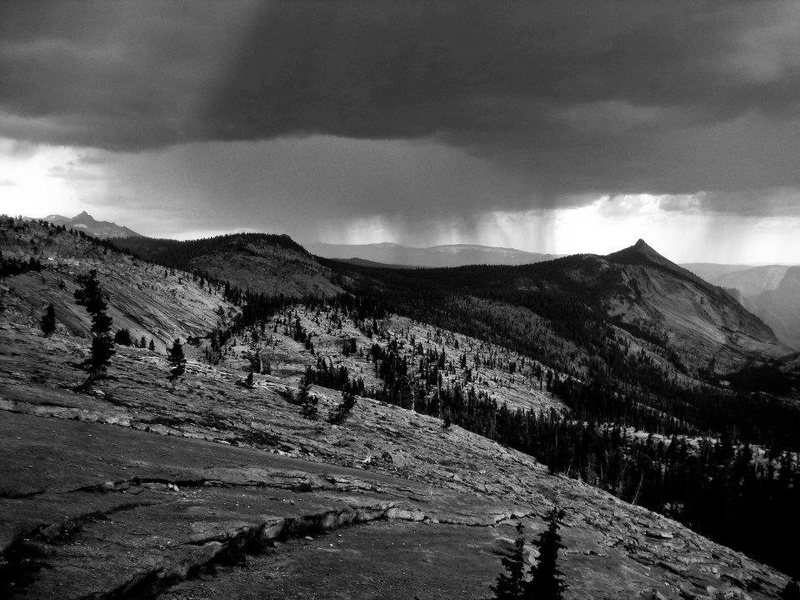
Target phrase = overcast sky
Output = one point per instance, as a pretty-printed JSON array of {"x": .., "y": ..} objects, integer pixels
[{"x": 560, "y": 126}]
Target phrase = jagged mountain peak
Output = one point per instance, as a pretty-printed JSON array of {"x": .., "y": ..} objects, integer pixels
[
  {"x": 91, "y": 226},
  {"x": 640, "y": 249},
  {"x": 643, "y": 289},
  {"x": 641, "y": 253}
]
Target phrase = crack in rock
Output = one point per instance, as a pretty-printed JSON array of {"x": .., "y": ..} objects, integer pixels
[
  {"x": 236, "y": 544},
  {"x": 201, "y": 555},
  {"x": 298, "y": 483}
]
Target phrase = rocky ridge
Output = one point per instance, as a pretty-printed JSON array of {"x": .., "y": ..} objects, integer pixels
[
  {"x": 263, "y": 263},
  {"x": 699, "y": 321}
]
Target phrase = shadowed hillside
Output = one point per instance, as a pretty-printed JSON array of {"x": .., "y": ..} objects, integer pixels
[
  {"x": 262, "y": 263},
  {"x": 668, "y": 310}
]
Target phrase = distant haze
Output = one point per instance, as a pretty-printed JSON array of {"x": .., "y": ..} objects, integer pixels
[
  {"x": 770, "y": 292},
  {"x": 436, "y": 256}
]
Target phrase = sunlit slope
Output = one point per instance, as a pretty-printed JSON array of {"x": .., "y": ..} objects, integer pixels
[{"x": 148, "y": 300}]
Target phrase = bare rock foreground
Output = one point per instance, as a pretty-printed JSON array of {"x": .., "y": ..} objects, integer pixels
[{"x": 216, "y": 491}]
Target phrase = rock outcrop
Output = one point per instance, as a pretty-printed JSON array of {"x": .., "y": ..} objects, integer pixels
[{"x": 215, "y": 490}]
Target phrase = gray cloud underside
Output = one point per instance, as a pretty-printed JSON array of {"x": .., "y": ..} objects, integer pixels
[{"x": 574, "y": 97}]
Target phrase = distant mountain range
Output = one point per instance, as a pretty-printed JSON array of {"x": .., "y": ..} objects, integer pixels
[
  {"x": 565, "y": 305},
  {"x": 457, "y": 255},
  {"x": 89, "y": 225}
]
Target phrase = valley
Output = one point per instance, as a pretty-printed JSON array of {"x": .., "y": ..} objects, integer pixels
[{"x": 769, "y": 292}]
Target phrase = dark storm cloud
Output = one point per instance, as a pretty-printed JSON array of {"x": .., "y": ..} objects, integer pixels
[{"x": 595, "y": 96}]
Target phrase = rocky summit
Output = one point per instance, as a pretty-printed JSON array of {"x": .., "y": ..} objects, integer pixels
[{"x": 89, "y": 225}]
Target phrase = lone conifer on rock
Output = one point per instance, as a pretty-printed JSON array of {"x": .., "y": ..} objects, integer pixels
[
  {"x": 511, "y": 584},
  {"x": 92, "y": 297},
  {"x": 547, "y": 582},
  {"x": 177, "y": 362},
  {"x": 342, "y": 411},
  {"x": 307, "y": 401},
  {"x": 48, "y": 323}
]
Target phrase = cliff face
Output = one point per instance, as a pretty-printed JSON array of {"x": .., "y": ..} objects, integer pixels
[
  {"x": 700, "y": 321},
  {"x": 780, "y": 307},
  {"x": 770, "y": 292}
]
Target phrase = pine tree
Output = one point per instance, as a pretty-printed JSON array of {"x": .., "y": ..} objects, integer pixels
[
  {"x": 152, "y": 346},
  {"x": 511, "y": 585},
  {"x": 309, "y": 409},
  {"x": 48, "y": 322},
  {"x": 92, "y": 297},
  {"x": 308, "y": 402},
  {"x": 446, "y": 421},
  {"x": 302, "y": 391},
  {"x": 123, "y": 337},
  {"x": 177, "y": 362},
  {"x": 342, "y": 411},
  {"x": 547, "y": 582}
]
